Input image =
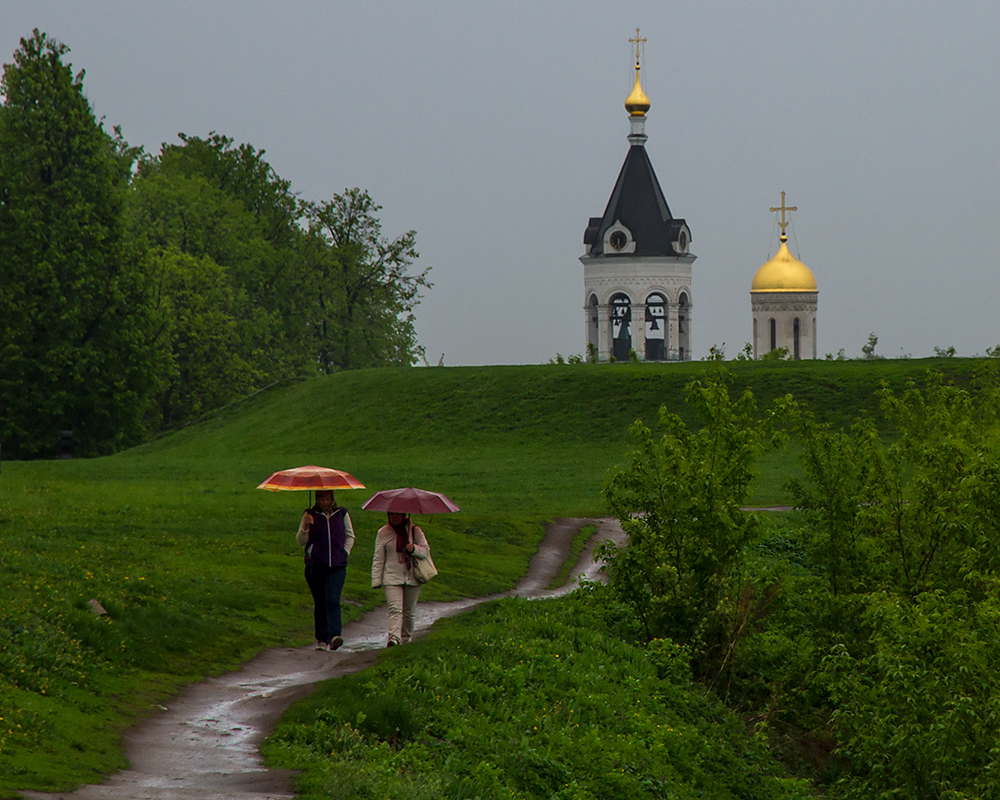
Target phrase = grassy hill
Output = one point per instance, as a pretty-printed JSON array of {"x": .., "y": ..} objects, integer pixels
[
  {"x": 534, "y": 439},
  {"x": 199, "y": 570}
]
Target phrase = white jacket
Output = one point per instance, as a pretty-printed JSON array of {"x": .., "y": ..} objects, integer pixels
[{"x": 386, "y": 567}]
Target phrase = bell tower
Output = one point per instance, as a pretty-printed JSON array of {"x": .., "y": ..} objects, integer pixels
[{"x": 637, "y": 259}]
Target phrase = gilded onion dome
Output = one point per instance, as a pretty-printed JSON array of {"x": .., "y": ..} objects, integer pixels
[
  {"x": 784, "y": 273},
  {"x": 637, "y": 104}
]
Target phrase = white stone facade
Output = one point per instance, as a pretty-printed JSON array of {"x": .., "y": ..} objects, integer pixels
[
  {"x": 784, "y": 319},
  {"x": 656, "y": 290}
]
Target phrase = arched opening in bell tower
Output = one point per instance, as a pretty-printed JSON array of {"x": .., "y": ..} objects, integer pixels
[
  {"x": 593, "y": 325},
  {"x": 621, "y": 326},
  {"x": 683, "y": 327},
  {"x": 656, "y": 327}
]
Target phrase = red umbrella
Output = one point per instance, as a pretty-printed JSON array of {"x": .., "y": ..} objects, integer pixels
[
  {"x": 409, "y": 501},
  {"x": 312, "y": 477}
]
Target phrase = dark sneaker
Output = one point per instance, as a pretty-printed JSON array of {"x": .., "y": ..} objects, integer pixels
[
  {"x": 336, "y": 642},
  {"x": 391, "y": 643}
]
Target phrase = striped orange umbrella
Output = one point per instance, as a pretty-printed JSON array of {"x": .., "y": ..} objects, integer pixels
[{"x": 314, "y": 478}]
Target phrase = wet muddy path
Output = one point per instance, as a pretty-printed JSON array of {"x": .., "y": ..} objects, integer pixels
[{"x": 204, "y": 743}]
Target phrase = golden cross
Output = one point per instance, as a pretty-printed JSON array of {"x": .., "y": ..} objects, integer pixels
[
  {"x": 637, "y": 41},
  {"x": 783, "y": 208}
]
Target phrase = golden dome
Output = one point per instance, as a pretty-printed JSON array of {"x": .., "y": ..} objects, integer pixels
[
  {"x": 784, "y": 273},
  {"x": 637, "y": 104}
]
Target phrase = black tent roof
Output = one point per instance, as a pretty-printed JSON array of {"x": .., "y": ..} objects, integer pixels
[{"x": 639, "y": 204}]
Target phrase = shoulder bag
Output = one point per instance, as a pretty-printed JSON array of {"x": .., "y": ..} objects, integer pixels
[{"x": 424, "y": 569}]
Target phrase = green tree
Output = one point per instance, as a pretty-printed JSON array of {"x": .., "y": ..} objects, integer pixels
[
  {"x": 930, "y": 505},
  {"x": 207, "y": 198},
  {"x": 834, "y": 465},
  {"x": 916, "y": 511},
  {"x": 868, "y": 350},
  {"x": 74, "y": 314},
  {"x": 241, "y": 172},
  {"x": 333, "y": 295},
  {"x": 188, "y": 214},
  {"x": 679, "y": 498},
  {"x": 197, "y": 324},
  {"x": 364, "y": 292}
]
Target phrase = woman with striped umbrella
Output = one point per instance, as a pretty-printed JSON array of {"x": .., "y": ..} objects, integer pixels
[{"x": 327, "y": 535}]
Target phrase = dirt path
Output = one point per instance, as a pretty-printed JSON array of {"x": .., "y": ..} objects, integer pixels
[{"x": 204, "y": 745}]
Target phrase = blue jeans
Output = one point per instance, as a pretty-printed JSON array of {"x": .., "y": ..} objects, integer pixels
[{"x": 325, "y": 585}]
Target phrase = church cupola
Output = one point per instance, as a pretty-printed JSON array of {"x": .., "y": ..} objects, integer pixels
[
  {"x": 637, "y": 104},
  {"x": 783, "y": 301},
  {"x": 637, "y": 259}
]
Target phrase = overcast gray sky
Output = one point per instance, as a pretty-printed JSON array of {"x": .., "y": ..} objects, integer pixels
[{"x": 496, "y": 129}]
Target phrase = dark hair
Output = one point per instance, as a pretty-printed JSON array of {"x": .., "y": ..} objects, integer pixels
[
  {"x": 324, "y": 491},
  {"x": 402, "y": 525}
]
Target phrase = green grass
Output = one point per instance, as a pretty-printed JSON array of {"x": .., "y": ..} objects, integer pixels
[
  {"x": 199, "y": 570},
  {"x": 525, "y": 699}
]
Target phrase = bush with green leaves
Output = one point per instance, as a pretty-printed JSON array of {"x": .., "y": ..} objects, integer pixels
[
  {"x": 680, "y": 498},
  {"x": 903, "y": 526},
  {"x": 863, "y": 634},
  {"x": 918, "y": 714},
  {"x": 916, "y": 510}
]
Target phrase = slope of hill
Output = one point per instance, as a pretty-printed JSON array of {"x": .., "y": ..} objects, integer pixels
[
  {"x": 199, "y": 570},
  {"x": 531, "y": 437}
]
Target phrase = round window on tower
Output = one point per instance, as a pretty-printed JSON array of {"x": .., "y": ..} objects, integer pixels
[
  {"x": 618, "y": 240},
  {"x": 682, "y": 242}
]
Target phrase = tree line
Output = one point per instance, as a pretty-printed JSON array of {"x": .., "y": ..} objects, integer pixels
[{"x": 138, "y": 291}]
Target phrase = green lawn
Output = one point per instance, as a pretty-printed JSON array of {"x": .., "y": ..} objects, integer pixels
[{"x": 199, "y": 570}]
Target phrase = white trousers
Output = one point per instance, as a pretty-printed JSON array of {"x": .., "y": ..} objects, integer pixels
[{"x": 402, "y": 602}]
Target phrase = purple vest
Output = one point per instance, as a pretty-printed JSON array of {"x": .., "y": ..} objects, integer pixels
[{"x": 325, "y": 547}]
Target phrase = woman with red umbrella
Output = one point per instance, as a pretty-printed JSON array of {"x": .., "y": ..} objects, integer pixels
[
  {"x": 327, "y": 534},
  {"x": 396, "y": 546}
]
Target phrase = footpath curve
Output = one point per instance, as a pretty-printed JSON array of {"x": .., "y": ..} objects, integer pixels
[{"x": 205, "y": 744}]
